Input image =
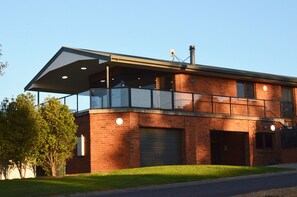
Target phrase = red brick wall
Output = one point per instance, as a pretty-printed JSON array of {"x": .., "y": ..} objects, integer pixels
[
  {"x": 205, "y": 85},
  {"x": 227, "y": 87},
  {"x": 202, "y": 149},
  {"x": 264, "y": 156},
  {"x": 117, "y": 147},
  {"x": 273, "y": 92},
  {"x": 114, "y": 146},
  {"x": 289, "y": 155},
  {"x": 223, "y": 87},
  {"x": 161, "y": 121}
]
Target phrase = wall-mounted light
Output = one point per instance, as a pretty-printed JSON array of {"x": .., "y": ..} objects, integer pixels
[
  {"x": 265, "y": 88},
  {"x": 83, "y": 68},
  {"x": 65, "y": 77},
  {"x": 119, "y": 121},
  {"x": 272, "y": 127},
  {"x": 80, "y": 146}
]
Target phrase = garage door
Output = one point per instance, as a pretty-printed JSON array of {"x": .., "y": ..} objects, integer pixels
[{"x": 160, "y": 147}]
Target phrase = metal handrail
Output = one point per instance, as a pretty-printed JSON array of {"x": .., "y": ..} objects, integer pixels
[{"x": 213, "y": 100}]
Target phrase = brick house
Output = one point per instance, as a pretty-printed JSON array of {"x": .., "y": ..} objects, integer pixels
[{"x": 134, "y": 111}]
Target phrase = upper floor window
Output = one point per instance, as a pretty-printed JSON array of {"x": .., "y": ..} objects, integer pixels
[
  {"x": 133, "y": 78},
  {"x": 287, "y": 103},
  {"x": 245, "y": 89}
]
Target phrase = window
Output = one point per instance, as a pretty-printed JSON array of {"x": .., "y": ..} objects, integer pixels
[
  {"x": 289, "y": 138},
  {"x": 245, "y": 89},
  {"x": 133, "y": 78},
  {"x": 264, "y": 140},
  {"x": 287, "y": 104}
]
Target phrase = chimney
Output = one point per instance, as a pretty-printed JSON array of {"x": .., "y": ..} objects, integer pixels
[{"x": 192, "y": 54}]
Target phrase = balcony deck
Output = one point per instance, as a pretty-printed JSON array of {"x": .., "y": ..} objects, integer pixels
[{"x": 123, "y": 98}]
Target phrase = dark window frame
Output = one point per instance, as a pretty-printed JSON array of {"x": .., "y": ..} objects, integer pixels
[
  {"x": 265, "y": 140},
  {"x": 289, "y": 138},
  {"x": 287, "y": 102},
  {"x": 248, "y": 89}
]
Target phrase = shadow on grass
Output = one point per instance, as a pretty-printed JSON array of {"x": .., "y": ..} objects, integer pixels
[
  {"x": 75, "y": 184},
  {"x": 118, "y": 180}
]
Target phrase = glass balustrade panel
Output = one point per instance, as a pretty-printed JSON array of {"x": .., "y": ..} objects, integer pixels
[
  {"x": 162, "y": 99},
  {"x": 141, "y": 98},
  {"x": 183, "y": 101},
  {"x": 84, "y": 101},
  {"x": 120, "y": 97},
  {"x": 71, "y": 102},
  {"x": 99, "y": 98}
]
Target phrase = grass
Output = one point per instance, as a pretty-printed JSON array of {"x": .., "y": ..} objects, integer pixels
[{"x": 120, "y": 179}]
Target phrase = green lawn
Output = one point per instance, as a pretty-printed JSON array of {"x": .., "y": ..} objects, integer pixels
[{"x": 123, "y": 179}]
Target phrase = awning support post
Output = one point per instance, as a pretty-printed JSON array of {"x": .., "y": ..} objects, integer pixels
[{"x": 38, "y": 98}]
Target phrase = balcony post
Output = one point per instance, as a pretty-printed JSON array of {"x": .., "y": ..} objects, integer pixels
[
  {"x": 247, "y": 107},
  {"x": 90, "y": 97},
  {"x": 76, "y": 102},
  {"x": 107, "y": 87},
  {"x": 129, "y": 97},
  {"x": 172, "y": 100},
  {"x": 152, "y": 105},
  {"x": 107, "y": 76},
  {"x": 211, "y": 103},
  {"x": 265, "y": 109},
  {"x": 193, "y": 104},
  {"x": 109, "y": 99},
  {"x": 230, "y": 100}
]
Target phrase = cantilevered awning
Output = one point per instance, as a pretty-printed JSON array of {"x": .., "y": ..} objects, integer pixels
[{"x": 78, "y": 64}]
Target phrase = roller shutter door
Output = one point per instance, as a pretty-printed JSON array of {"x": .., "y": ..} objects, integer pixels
[{"x": 160, "y": 147}]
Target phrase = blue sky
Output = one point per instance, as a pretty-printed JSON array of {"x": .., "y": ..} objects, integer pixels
[{"x": 256, "y": 35}]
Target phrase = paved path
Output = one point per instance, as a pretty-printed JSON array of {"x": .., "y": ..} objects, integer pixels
[
  {"x": 288, "y": 165},
  {"x": 213, "y": 188}
]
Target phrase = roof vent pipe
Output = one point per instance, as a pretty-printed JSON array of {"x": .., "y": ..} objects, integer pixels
[{"x": 192, "y": 54}]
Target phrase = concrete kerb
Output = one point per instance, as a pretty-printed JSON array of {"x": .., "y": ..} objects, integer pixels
[
  {"x": 289, "y": 165},
  {"x": 153, "y": 187}
]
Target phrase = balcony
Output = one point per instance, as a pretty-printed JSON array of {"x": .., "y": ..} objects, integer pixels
[{"x": 99, "y": 98}]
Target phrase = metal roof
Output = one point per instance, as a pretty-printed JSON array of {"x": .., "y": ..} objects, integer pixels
[{"x": 68, "y": 61}]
